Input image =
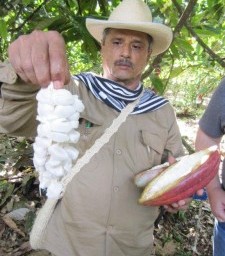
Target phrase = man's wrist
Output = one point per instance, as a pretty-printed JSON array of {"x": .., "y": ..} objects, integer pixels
[{"x": 7, "y": 74}]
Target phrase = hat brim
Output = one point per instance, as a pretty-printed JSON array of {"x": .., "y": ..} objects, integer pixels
[{"x": 161, "y": 34}]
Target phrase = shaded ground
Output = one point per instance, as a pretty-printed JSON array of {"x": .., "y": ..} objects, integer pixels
[{"x": 182, "y": 234}]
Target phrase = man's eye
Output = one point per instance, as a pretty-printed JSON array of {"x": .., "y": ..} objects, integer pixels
[
  {"x": 116, "y": 42},
  {"x": 136, "y": 46}
]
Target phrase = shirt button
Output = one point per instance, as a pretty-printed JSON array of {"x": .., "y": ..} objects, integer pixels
[
  {"x": 116, "y": 189},
  {"x": 118, "y": 152}
]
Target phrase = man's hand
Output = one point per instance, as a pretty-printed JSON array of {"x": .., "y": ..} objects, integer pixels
[
  {"x": 217, "y": 203},
  {"x": 181, "y": 205},
  {"x": 40, "y": 58}
]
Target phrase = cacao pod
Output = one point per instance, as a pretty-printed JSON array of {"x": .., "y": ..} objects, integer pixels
[
  {"x": 182, "y": 179},
  {"x": 142, "y": 179}
]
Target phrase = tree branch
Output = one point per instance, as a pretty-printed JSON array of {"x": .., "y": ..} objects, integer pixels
[
  {"x": 183, "y": 19},
  {"x": 103, "y": 6},
  {"x": 185, "y": 15},
  {"x": 28, "y": 18},
  {"x": 79, "y": 7},
  {"x": 198, "y": 39}
]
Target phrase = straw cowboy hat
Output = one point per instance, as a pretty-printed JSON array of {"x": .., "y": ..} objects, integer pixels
[{"x": 133, "y": 15}]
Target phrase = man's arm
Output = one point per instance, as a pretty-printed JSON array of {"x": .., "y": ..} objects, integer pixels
[{"x": 18, "y": 109}]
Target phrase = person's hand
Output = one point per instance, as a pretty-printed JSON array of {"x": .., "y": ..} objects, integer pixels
[
  {"x": 182, "y": 205},
  {"x": 217, "y": 203},
  {"x": 40, "y": 58}
]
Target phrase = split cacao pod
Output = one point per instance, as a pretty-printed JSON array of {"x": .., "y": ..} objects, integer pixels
[{"x": 182, "y": 179}]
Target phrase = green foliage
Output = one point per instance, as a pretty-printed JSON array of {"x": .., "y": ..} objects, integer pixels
[
  {"x": 3, "y": 29},
  {"x": 157, "y": 84}
]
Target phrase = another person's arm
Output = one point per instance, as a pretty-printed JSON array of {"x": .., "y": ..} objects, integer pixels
[
  {"x": 210, "y": 132},
  {"x": 215, "y": 192}
]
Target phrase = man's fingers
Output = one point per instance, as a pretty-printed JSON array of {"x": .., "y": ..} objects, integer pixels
[
  {"x": 17, "y": 57},
  {"x": 59, "y": 68},
  {"x": 181, "y": 205},
  {"x": 40, "y": 58},
  {"x": 171, "y": 159},
  {"x": 200, "y": 192}
]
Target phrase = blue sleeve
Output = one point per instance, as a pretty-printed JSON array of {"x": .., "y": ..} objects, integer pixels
[{"x": 213, "y": 119}]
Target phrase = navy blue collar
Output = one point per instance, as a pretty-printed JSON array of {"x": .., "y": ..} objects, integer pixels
[{"x": 117, "y": 96}]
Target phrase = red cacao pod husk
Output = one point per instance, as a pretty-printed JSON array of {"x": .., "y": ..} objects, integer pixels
[{"x": 182, "y": 179}]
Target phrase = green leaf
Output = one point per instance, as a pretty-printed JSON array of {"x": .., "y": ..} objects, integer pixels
[
  {"x": 208, "y": 31},
  {"x": 54, "y": 23},
  {"x": 26, "y": 2},
  {"x": 183, "y": 44},
  {"x": 9, "y": 192},
  {"x": 174, "y": 51},
  {"x": 176, "y": 72},
  {"x": 157, "y": 84},
  {"x": 88, "y": 5},
  {"x": 3, "y": 29},
  {"x": 29, "y": 221}
]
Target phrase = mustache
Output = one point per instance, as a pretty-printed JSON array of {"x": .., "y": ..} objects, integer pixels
[{"x": 124, "y": 62}]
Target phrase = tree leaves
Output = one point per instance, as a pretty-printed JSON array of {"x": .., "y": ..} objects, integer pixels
[{"x": 3, "y": 29}]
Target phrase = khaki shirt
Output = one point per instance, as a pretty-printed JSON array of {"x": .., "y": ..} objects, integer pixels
[{"x": 99, "y": 214}]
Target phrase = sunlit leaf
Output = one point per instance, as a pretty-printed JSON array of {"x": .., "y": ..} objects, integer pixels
[
  {"x": 176, "y": 72},
  {"x": 157, "y": 84},
  {"x": 3, "y": 29},
  {"x": 183, "y": 45}
]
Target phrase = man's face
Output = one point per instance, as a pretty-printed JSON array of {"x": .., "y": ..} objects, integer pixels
[{"x": 125, "y": 54}]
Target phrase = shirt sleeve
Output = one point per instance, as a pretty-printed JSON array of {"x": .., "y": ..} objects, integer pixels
[
  {"x": 213, "y": 119},
  {"x": 18, "y": 109}
]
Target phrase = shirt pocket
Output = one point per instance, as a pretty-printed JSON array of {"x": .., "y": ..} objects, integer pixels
[
  {"x": 89, "y": 132},
  {"x": 154, "y": 144}
]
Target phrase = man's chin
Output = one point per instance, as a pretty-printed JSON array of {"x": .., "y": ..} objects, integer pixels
[
  {"x": 122, "y": 77},
  {"x": 122, "y": 80}
]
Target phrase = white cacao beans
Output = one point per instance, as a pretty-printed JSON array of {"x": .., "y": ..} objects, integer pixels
[{"x": 55, "y": 153}]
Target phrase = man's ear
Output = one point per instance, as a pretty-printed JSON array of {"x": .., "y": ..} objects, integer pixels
[{"x": 149, "y": 55}]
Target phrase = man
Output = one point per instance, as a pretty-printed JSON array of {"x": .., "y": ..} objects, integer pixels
[
  {"x": 99, "y": 213},
  {"x": 210, "y": 132}
]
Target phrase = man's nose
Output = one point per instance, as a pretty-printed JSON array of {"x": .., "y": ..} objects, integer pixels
[{"x": 126, "y": 51}]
